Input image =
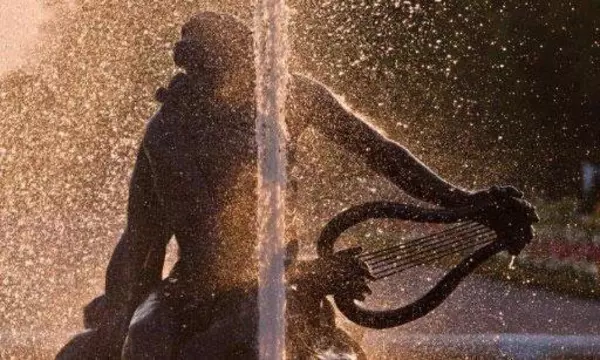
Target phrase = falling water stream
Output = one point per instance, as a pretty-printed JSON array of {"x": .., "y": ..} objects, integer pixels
[{"x": 271, "y": 77}]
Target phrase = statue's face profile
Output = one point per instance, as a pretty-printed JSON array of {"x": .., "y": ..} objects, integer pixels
[{"x": 212, "y": 43}]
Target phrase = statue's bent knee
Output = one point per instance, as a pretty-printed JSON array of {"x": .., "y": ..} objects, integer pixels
[{"x": 150, "y": 334}]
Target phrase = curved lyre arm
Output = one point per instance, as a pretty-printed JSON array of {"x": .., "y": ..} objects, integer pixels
[
  {"x": 395, "y": 317},
  {"x": 421, "y": 307}
]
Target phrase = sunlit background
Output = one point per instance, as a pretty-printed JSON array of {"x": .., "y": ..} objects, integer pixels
[
  {"x": 21, "y": 26},
  {"x": 485, "y": 92}
]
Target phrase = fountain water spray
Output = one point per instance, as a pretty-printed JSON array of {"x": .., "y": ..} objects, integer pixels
[{"x": 271, "y": 79}]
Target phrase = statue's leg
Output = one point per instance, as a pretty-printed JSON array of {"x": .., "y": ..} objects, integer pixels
[
  {"x": 88, "y": 345},
  {"x": 312, "y": 332},
  {"x": 151, "y": 331},
  {"x": 232, "y": 333},
  {"x": 346, "y": 341}
]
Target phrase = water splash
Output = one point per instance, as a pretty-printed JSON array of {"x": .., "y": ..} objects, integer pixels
[
  {"x": 271, "y": 79},
  {"x": 512, "y": 265}
]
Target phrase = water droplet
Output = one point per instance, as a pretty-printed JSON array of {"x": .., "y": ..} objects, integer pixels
[{"x": 511, "y": 265}]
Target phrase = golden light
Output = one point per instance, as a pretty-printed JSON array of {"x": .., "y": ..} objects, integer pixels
[{"x": 19, "y": 31}]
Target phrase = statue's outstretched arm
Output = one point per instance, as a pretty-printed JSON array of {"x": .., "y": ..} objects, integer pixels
[{"x": 388, "y": 158}]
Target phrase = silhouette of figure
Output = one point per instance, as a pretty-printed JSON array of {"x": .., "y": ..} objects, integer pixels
[{"x": 194, "y": 179}]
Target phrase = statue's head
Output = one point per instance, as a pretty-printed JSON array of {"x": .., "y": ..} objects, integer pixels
[{"x": 214, "y": 43}]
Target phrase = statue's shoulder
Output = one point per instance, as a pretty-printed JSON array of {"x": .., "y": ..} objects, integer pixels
[
  {"x": 307, "y": 91},
  {"x": 173, "y": 111},
  {"x": 301, "y": 84},
  {"x": 158, "y": 128}
]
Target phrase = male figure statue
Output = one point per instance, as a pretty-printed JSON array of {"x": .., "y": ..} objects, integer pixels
[{"x": 194, "y": 179}]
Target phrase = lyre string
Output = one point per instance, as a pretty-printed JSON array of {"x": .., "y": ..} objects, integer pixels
[
  {"x": 368, "y": 255},
  {"x": 399, "y": 269},
  {"x": 417, "y": 246},
  {"x": 433, "y": 248},
  {"x": 428, "y": 258},
  {"x": 446, "y": 249}
]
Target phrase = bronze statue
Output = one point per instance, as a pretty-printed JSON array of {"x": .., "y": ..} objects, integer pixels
[{"x": 194, "y": 179}]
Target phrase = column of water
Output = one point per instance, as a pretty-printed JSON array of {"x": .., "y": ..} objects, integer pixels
[{"x": 271, "y": 77}]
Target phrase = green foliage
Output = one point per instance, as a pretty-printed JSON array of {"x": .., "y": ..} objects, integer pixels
[
  {"x": 563, "y": 278},
  {"x": 564, "y": 213}
]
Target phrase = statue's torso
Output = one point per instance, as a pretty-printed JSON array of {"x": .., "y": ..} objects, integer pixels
[{"x": 205, "y": 168}]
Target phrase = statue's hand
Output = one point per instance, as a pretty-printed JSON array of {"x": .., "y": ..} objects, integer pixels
[
  {"x": 340, "y": 274},
  {"x": 518, "y": 218},
  {"x": 348, "y": 275},
  {"x": 509, "y": 214},
  {"x": 495, "y": 194}
]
